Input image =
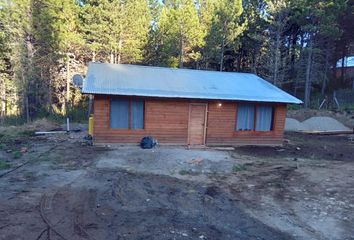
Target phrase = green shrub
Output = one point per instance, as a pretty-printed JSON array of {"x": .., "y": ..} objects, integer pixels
[
  {"x": 238, "y": 167},
  {"x": 27, "y": 133},
  {"x": 16, "y": 154},
  {"x": 14, "y": 120},
  {"x": 4, "y": 165},
  {"x": 188, "y": 172},
  {"x": 294, "y": 106},
  {"x": 2, "y": 145}
]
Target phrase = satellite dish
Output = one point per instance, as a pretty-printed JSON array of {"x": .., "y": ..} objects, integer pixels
[{"x": 77, "y": 80}]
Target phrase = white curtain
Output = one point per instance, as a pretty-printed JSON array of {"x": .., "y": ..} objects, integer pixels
[
  {"x": 119, "y": 113},
  {"x": 264, "y": 118},
  {"x": 245, "y": 117},
  {"x": 137, "y": 114}
]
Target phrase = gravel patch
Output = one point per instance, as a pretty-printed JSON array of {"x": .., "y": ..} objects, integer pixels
[{"x": 315, "y": 124}]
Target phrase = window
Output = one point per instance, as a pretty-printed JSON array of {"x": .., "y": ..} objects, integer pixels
[
  {"x": 252, "y": 117},
  {"x": 245, "y": 117},
  {"x": 127, "y": 113},
  {"x": 137, "y": 114},
  {"x": 264, "y": 119}
]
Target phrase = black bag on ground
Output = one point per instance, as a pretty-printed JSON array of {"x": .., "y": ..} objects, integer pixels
[{"x": 147, "y": 142}]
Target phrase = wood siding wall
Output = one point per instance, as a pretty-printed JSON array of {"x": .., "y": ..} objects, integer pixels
[
  {"x": 167, "y": 121},
  {"x": 222, "y": 125}
]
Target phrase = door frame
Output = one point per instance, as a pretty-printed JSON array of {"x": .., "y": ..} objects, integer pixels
[{"x": 205, "y": 120}]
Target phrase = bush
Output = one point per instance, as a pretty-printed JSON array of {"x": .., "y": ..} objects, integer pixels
[
  {"x": 238, "y": 168},
  {"x": 16, "y": 154},
  {"x": 2, "y": 145},
  {"x": 13, "y": 120},
  {"x": 4, "y": 165},
  {"x": 294, "y": 107}
]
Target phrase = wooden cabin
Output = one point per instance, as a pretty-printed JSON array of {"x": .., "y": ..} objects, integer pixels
[{"x": 184, "y": 107}]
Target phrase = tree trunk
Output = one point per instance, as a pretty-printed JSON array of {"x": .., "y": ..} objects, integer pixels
[
  {"x": 28, "y": 119},
  {"x": 276, "y": 58},
  {"x": 181, "y": 52},
  {"x": 324, "y": 81},
  {"x": 308, "y": 77},
  {"x": 93, "y": 56},
  {"x": 115, "y": 60},
  {"x": 27, "y": 77},
  {"x": 302, "y": 45},
  {"x": 222, "y": 55},
  {"x": 50, "y": 96},
  {"x": 3, "y": 102},
  {"x": 254, "y": 62},
  {"x": 112, "y": 58},
  {"x": 342, "y": 75},
  {"x": 292, "y": 58},
  {"x": 67, "y": 85},
  {"x": 120, "y": 44}
]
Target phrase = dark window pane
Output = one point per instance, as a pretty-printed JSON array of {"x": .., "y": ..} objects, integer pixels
[
  {"x": 245, "y": 117},
  {"x": 119, "y": 113},
  {"x": 137, "y": 114},
  {"x": 264, "y": 118}
]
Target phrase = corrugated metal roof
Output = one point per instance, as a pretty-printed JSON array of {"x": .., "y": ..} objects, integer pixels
[{"x": 134, "y": 80}]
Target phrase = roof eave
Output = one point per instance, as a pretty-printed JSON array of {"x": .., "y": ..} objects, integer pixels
[{"x": 298, "y": 102}]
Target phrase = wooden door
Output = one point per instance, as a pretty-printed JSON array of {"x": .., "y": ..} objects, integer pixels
[{"x": 197, "y": 123}]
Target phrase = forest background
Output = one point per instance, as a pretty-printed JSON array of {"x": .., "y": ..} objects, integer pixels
[{"x": 298, "y": 45}]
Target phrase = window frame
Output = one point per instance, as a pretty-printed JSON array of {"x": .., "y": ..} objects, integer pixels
[
  {"x": 256, "y": 106},
  {"x": 130, "y": 100}
]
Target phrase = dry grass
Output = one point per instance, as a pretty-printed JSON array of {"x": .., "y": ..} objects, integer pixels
[{"x": 10, "y": 132}]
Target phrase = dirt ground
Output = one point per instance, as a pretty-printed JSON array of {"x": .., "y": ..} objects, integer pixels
[{"x": 60, "y": 187}]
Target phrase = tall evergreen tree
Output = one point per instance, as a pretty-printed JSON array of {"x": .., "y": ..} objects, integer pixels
[
  {"x": 278, "y": 14},
  {"x": 43, "y": 42},
  {"x": 117, "y": 30},
  {"x": 225, "y": 28},
  {"x": 18, "y": 43},
  {"x": 152, "y": 49},
  {"x": 181, "y": 33},
  {"x": 317, "y": 19}
]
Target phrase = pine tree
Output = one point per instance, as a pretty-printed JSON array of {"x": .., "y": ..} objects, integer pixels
[
  {"x": 207, "y": 11},
  {"x": 95, "y": 21},
  {"x": 152, "y": 49},
  {"x": 57, "y": 36},
  {"x": 135, "y": 30},
  {"x": 116, "y": 30},
  {"x": 17, "y": 53},
  {"x": 317, "y": 20},
  {"x": 181, "y": 33},
  {"x": 225, "y": 28},
  {"x": 278, "y": 14}
]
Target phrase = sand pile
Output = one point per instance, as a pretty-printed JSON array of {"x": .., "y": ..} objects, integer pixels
[
  {"x": 291, "y": 124},
  {"x": 315, "y": 124}
]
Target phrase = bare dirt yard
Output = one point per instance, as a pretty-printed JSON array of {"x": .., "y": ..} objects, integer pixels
[{"x": 59, "y": 187}]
